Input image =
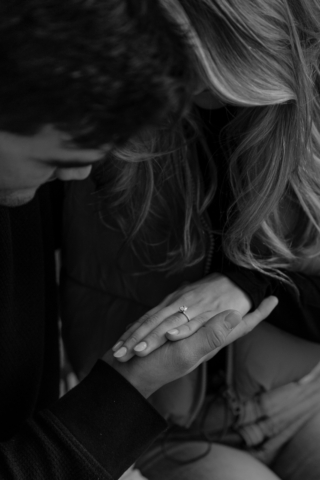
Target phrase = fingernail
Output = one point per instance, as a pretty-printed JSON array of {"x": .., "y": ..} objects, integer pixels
[
  {"x": 232, "y": 320},
  {"x": 117, "y": 346},
  {"x": 173, "y": 332},
  {"x": 140, "y": 347},
  {"x": 121, "y": 352}
]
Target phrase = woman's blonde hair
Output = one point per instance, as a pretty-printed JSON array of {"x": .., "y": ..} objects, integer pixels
[{"x": 263, "y": 57}]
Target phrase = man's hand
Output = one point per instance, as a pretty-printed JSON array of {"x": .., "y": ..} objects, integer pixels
[
  {"x": 205, "y": 298},
  {"x": 176, "y": 359}
]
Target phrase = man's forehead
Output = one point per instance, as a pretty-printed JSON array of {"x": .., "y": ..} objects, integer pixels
[{"x": 53, "y": 146}]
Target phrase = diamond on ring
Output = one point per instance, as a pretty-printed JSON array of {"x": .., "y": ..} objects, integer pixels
[{"x": 183, "y": 310}]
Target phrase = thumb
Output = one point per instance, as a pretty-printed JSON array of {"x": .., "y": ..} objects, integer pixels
[
  {"x": 210, "y": 338},
  {"x": 217, "y": 329}
]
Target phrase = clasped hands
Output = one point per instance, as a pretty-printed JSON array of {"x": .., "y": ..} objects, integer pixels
[{"x": 218, "y": 312}]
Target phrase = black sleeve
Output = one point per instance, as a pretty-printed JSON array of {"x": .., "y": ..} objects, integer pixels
[
  {"x": 299, "y": 309},
  {"x": 96, "y": 431}
]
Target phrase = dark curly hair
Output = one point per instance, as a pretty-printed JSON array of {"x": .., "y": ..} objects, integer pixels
[{"x": 99, "y": 70}]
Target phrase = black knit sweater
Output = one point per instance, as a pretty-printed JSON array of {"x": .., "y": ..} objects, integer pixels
[{"x": 99, "y": 428}]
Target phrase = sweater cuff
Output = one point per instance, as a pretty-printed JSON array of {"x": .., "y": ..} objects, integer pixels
[{"x": 110, "y": 418}]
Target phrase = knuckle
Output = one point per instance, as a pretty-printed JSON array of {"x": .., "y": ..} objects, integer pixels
[
  {"x": 152, "y": 320},
  {"x": 216, "y": 338},
  {"x": 188, "y": 298},
  {"x": 154, "y": 337},
  {"x": 174, "y": 322},
  {"x": 133, "y": 339},
  {"x": 143, "y": 319},
  {"x": 203, "y": 318},
  {"x": 186, "y": 330},
  {"x": 177, "y": 318},
  {"x": 143, "y": 328}
]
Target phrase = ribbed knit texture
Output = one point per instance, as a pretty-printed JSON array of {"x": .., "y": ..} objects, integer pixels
[{"x": 64, "y": 443}]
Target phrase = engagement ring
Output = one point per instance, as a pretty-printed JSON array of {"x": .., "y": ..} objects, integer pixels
[{"x": 183, "y": 310}]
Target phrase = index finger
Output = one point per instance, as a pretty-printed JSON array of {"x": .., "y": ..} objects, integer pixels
[
  {"x": 250, "y": 321},
  {"x": 144, "y": 326}
]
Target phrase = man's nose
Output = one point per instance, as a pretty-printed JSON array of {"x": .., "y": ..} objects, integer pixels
[{"x": 79, "y": 173}]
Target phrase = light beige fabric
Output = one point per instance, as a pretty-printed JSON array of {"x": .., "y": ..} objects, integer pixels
[{"x": 180, "y": 401}]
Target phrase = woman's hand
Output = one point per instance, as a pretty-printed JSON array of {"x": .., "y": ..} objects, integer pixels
[
  {"x": 204, "y": 299},
  {"x": 176, "y": 359}
]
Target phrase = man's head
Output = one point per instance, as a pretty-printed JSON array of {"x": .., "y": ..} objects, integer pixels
[{"x": 83, "y": 75}]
